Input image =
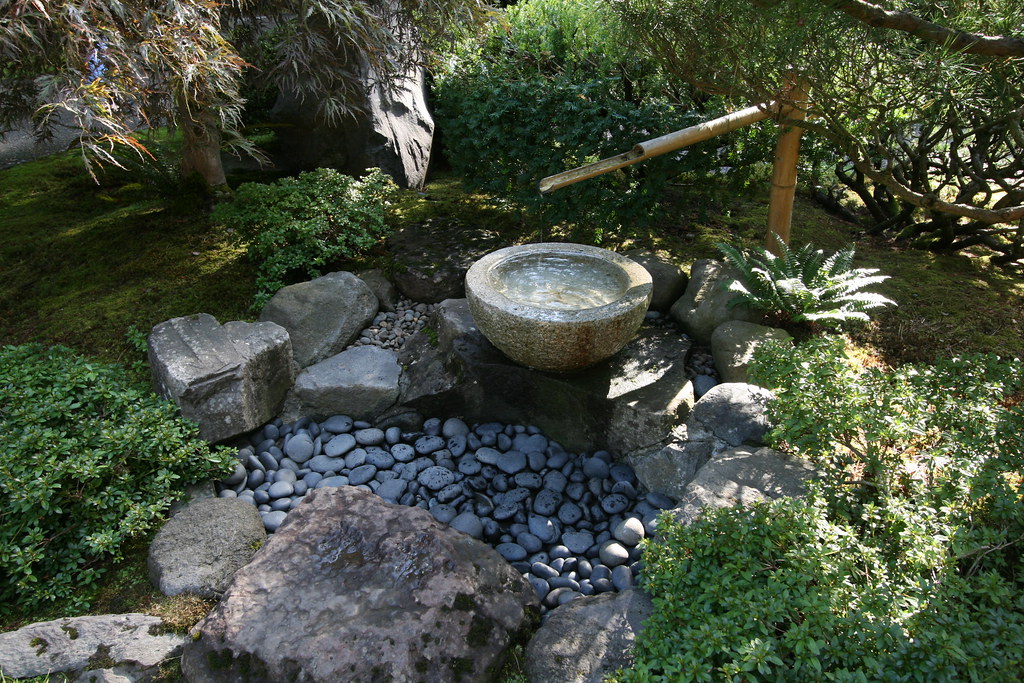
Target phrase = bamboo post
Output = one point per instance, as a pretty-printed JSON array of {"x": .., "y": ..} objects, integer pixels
[
  {"x": 783, "y": 190},
  {"x": 660, "y": 145}
]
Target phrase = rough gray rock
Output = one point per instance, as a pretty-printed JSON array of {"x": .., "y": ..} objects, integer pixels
[
  {"x": 392, "y": 130},
  {"x": 78, "y": 643},
  {"x": 352, "y": 588},
  {"x": 382, "y": 288},
  {"x": 742, "y": 476},
  {"x": 705, "y": 303},
  {"x": 200, "y": 548},
  {"x": 625, "y": 403},
  {"x": 361, "y": 382},
  {"x": 229, "y": 378},
  {"x": 669, "y": 469},
  {"x": 669, "y": 279},
  {"x": 322, "y": 316},
  {"x": 588, "y": 638},
  {"x": 733, "y": 344},
  {"x": 732, "y": 412}
]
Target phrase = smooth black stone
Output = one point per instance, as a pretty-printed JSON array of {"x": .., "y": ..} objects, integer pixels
[
  {"x": 546, "y": 502},
  {"x": 569, "y": 513},
  {"x": 487, "y": 456},
  {"x": 371, "y": 436},
  {"x": 432, "y": 426},
  {"x": 512, "y": 552},
  {"x": 530, "y": 480},
  {"x": 468, "y": 523},
  {"x": 361, "y": 475},
  {"x": 323, "y": 463},
  {"x": 254, "y": 463},
  {"x": 444, "y": 513},
  {"x": 537, "y": 462},
  {"x": 261, "y": 497},
  {"x": 476, "y": 483},
  {"x": 543, "y": 528},
  {"x": 284, "y": 504},
  {"x": 595, "y": 468},
  {"x": 337, "y": 424},
  {"x": 473, "y": 442},
  {"x": 577, "y": 542},
  {"x": 456, "y": 445},
  {"x": 614, "y": 503},
  {"x": 407, "y": 498},
  {"x": 517, "y": 495},
  {"x": 361, "y": 424},
  {"x": 255, "y": 478},
  {"x": 488, "y": 439},
  {"x": 469, "y": 466},
  {"x": 554, "y": 598},
  {"x": 621, "y": 471},
  {"x": 563, "y": 582},
  {"x": 556, "y": 481},
  {"x": 264, "y": 445},
  {"x": 529, "y": 541},
  {"x": 385, "y": 475},
  {"x": 453, "y": 426},
  {"x": 622, "y": 578},
  {"x": 425, "y": 445},
  {"x": 392, "y": 490},
  {"x": 506, "y": 511},
  {"x": 312, "y": 479},
  {"x": 557, "y": 564},
  {"x": 557, "y": 460},
  {"x": 332, "y": 481},
  {"x": 289, "y": 464},
  {"x": 543, "y": 571},
  {"x": 379, "y": 458},
  {"x": 511, "y": 462},
  {"x": 340, "y": 445},
  {"x": 436, "y": 477},
  {"x": 392, "y": 435},
  {"x": 503, "y": 442},
  {"x": 575, "y": 490},
  {"x": 541, "y": 557},
  {"x": 500, "y": 483},
  {"x": 521, "y": 566},
  {"x": 539, "y": 585},
  {"x": 449, "y": 493},
  {"x": 355, "y": 458},
  {"x": 602, "y": 585},
  {"x": 488, "y": 427},
  {"x": 625, "y": 488},
  {"x": 268, "y": 460}
]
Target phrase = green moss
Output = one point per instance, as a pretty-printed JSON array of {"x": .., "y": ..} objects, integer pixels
[
  {"x": 480, "y": 629},
  {"x": 71, "y": 631},
  {"x": 464, "y": 602},
  {"x": 460, "y": 667},
  {"x": 101, "y": 659},
  {"x": 39, "y": 645}
]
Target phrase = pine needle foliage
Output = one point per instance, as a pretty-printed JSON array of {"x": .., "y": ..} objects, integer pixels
[{"x": 803, "y": 285}]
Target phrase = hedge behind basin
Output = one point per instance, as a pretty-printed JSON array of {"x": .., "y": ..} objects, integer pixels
[{"x": 87, "y": 460}]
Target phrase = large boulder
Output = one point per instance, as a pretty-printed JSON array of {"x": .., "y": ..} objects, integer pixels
[
  {"x": 392, "y": 130},
  {"x": 352, "y": 588},
  {"x": 129, "y": 645},
  {"x": 742, "y": 476},
  {"x": 671, "y": 468},
  {"x": 383, "y": 288},
  {"x": 587, "y": 639},
  {"x": 322, "y": 316},
  {"x": 733, "y": 344},
  {"x": 668, "y": 278},
  {"x": 361, "y": 382},
  {"x": 200, "y": 548},
  {"x": 625, "y": 403},
  {"x": 705, "y": 303},
  {"x": 229, "y": 378}
]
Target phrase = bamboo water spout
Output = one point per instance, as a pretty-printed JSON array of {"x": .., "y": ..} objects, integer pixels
[{"x": 661, "y": 145}]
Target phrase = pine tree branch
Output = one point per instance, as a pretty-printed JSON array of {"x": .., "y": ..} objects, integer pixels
[{"x": 958, "y": 41}]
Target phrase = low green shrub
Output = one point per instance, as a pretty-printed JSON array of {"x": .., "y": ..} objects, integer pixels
[
  {"x": 903, "y": 564},
  {"x": 803, "y": 285},
  {"x": 87, "y": 460},
  {"x": 302, "y": 223}
]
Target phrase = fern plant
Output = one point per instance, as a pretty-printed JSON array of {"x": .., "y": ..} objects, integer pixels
[{"x": 803, "y": 286}]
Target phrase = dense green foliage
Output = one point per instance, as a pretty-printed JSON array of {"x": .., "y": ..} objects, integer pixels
[
  {"x": 556, "y": 86},
  {"x": 921, "y": 101},
  {"x": 305, "y": 222},
  {"x": 904, "y": 563},
  {"x": 87, "y": 460},
  {"x": 803, "y": 285}
]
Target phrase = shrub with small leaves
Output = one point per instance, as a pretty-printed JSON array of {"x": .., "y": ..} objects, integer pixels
[
  {"x": 299, "y": 225},
  {"x": 803, "y": 285},
  {"x": 903, "y": 564},
  {"x": 87, "y": 460}
]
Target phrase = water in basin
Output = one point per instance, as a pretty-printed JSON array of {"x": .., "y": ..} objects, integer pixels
[{"x": 559, "y": 283}]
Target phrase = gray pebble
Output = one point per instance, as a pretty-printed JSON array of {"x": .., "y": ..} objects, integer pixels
[
  {"x": 340, "y": 445},
  {"x": 578, "y": 541},
  {"x": 613, "y": 553},
  {"x": 299, "y": 448},
  {"x": 361, "y": 475},
  {"x": 281, "y": 489},
  {"x": 487, "y": 456},
  {"x": 392, "y": 490},
  {"x": 355, "y": 458},
  {"x": 273, "y": 520},
  {"x": 511, "y": 462},
  {"x": 370, "y": 436},
  {"x": 236, "y": 477},
  {"x": 512, "y": 552},
  {"x": 288, "y": 476},
  {"x": 436, "y": 477},
  {"x": 468, "y": 523},
  {"x": 379, "y": 458},
  {"x": 403, "y": 452},
  {"x": 595, "y": 468},
  {"x": 539, "y": 585},
  {"x": 453, "y": 426},
  {"x": 629, "y": 532},
  {"x": 337, "y": 424},
  {"x": 268, "y": 460},
  {"x": 444, "y": 513},
  {"x": 425, "y": 445},
  {"x": 323, "y": 463},
  {"x": 546, "y": 502},
  {"x": 541, "y": 527},
  {"x": 622, "y": 578},
  {"x": 614, "y": 503}
]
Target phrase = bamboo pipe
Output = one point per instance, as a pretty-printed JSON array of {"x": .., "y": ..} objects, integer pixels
[
  {"x": 660, "y": 145},
  {"x": 784, "y": 170}
]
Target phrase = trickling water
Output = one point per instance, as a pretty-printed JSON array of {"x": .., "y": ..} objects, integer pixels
[{"x": 559, "y": 283}]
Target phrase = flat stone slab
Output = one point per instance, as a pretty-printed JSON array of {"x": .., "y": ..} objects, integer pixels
[
  {"x": 134, "y": 642},
  {"x": 361, "y": 382},
  {"x": 627, "y": 402}
]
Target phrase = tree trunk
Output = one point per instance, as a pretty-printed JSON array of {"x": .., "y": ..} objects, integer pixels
[{"x": 200, "y": 152}]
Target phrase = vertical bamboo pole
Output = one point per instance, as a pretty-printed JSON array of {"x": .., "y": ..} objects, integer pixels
[{"x": 787, "y": 153}]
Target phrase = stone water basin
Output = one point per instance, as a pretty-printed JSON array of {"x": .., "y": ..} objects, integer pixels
[{"x": 558, "y": 307}]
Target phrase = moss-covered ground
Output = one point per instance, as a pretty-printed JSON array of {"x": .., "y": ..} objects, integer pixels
[{"x": 93, "y": 265}]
